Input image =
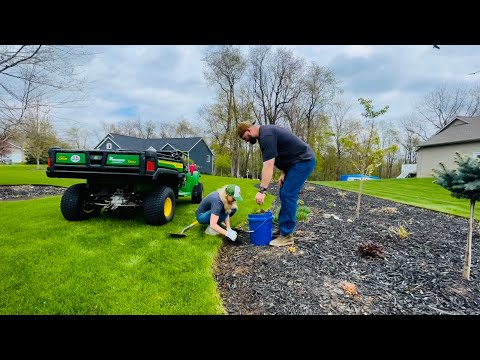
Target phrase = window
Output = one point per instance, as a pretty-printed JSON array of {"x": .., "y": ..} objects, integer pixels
[
  {"x": 476, "y": 155},
  {"x": 109, "y": 146},
  {"x": 208, "y": 158}
]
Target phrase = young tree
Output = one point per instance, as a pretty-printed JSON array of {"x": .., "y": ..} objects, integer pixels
[
  {"x": 463, "y": 183},
  {"x": 366, "y": 151}
]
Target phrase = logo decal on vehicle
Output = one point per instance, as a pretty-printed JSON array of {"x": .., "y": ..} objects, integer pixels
[{"x": 75, "y": 158}]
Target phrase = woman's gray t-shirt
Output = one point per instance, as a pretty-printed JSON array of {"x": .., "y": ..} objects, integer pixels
[{"x": 211, "y": 202}]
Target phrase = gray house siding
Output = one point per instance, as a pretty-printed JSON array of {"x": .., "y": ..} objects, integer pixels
[
  {"x": 202, "y": 156},
  {"x": 196, "y": 147},
  {"x": 461, "y": 134},
  {"x": 428, "y": 158}
]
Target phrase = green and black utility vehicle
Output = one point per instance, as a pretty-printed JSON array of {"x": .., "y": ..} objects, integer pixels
[{"x": 123, "y": 181}]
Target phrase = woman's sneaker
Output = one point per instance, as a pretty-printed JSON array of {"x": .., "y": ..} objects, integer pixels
[{"x": 210, "y": 231}]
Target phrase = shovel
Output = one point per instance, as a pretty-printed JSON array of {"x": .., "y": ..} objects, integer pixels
[{"x": 181, "y": 235}]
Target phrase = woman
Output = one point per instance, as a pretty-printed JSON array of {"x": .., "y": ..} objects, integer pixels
[{"x": 218, "y": 207}]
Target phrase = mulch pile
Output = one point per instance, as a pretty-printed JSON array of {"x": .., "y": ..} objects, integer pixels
[{"x": 326, "y": 273}]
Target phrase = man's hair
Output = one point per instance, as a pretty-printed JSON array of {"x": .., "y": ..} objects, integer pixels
[{"x": 242, "y": 127}]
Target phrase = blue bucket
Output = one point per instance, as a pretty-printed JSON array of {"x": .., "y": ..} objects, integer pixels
[{"x": 260, "y": 228}]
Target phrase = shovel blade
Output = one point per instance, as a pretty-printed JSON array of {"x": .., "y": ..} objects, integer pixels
[{"x": 177, "y": 235}]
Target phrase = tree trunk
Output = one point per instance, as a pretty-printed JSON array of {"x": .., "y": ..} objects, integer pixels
[
  {"x": 38, "y": 163},
  {"x": 468, "y": 251},
  {"x": 357, "y": 214}
]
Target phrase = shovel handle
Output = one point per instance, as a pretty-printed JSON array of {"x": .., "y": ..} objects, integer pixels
[{"x": 189, "y": 226}]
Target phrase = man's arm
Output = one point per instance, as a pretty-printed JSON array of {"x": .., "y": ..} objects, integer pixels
[{"x": 267, "y": 172}]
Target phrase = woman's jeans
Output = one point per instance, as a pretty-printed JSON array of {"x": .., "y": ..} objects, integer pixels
[
  {"x": 204, "y": 218},
  {"x": 288, "y": 193}
]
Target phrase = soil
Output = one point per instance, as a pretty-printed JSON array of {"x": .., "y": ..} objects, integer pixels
[{"x": 325, "y": 271}]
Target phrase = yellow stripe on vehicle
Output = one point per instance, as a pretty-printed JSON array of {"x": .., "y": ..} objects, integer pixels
[{"x": 176, "y": 165}]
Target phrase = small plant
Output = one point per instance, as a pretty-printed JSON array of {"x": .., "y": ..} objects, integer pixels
[
  {"x": 331, "y": 205},
  {"x": 302, "y": 213},
  {"x": 342, "y": 194},
  {"x": 370, "y": 249},
  {"x": 401, "y": 232}
]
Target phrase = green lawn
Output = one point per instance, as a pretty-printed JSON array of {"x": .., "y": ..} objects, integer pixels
[
  {"x": 107, "y": 265},
  {"x": 421, "y": 192}
]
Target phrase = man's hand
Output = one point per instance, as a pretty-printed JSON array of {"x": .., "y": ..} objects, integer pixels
[
  {"x": 232, "y": 234},
  {"x": 281, "y": 179},
  {"x": 259, "y": 198}
]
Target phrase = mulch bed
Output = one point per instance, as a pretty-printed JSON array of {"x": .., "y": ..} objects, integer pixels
[{"x": 325, "y": 273}]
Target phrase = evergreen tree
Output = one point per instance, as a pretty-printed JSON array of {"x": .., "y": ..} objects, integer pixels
[{"x": 463, "y": 183}]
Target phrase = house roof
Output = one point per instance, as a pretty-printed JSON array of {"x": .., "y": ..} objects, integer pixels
[
  {"x": 133, "y": 143},
  {"x": 461, "y": 129}
]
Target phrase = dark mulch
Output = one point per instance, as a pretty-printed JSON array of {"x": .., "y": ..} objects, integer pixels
[
  {"x": 22, "y": 192},
  {"x": 325, "y": 273}
]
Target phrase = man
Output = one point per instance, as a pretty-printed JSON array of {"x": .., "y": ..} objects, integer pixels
[{"x": 296, "y": 160}]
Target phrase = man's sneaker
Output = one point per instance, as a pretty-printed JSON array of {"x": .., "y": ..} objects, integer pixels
[
  {"x": 282, "y": 240},
  {"x": 210, "y": 231}
]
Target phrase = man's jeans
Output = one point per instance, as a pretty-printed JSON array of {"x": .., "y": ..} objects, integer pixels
[
  {"x": 204, "y": 218},
  {"x": 294, "y": 181}
]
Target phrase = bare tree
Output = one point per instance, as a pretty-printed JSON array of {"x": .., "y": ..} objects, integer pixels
[
  {"x": 225, "y": 66},
  {"x": 412, "y": 135},
  {"x": 39, "y": 133},
  {"x": 319, "y": 87},
  {"x": 184, "y": 128},
  {"x": 389, "y": 135},
  {"x": 33, "y": 73},
  {"x": 342, "y": 125},
  {"x": 442, "y": 105},
  {"x": 78, "y": 138},
  {"x": 133, "y": 127},
  {"x": 275, "y": 79}
]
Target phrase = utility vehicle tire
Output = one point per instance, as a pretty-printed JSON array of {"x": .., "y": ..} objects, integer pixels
[
  {"x": 159, "y": 206},
  {"x": 197, "y": 193},
  {"x": 73, "y": 204}
]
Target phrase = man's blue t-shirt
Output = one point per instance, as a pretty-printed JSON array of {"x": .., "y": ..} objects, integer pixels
[{"x": 287, "y": 149}]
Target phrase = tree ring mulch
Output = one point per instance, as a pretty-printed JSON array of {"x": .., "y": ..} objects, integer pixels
[
  {"x": 24, "y": 192},
  {"x": 326, "y": 273}
]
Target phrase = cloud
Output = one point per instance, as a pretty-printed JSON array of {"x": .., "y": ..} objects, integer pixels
[{"x": 166, "y": 82}]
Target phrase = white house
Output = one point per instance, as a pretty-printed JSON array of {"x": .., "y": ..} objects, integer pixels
[{"x": 16, "y": 155}]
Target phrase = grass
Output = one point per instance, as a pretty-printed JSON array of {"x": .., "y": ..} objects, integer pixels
[
  {"x": 105, "y": 265},
  {"x": 420, "y": 192}
]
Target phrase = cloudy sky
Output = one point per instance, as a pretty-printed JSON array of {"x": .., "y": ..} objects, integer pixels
[{"x": 166, "y": 82}]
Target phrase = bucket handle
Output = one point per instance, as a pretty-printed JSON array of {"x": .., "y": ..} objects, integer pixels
[{"x": 259, "y": 226}]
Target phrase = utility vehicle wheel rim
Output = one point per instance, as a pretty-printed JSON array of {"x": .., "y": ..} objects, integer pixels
[{"x": 167, "y": 208}]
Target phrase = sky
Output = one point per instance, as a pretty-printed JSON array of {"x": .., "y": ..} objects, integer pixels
[{"x": 166, "y": 82}]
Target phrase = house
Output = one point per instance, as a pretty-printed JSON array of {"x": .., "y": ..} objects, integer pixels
[
  {"x": 196, "y": 147},
  {"x": 16, "y": 154},
  {"x": 462, "y": 134}
]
